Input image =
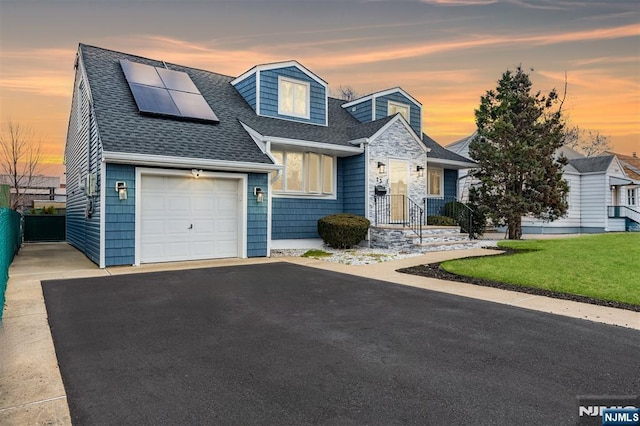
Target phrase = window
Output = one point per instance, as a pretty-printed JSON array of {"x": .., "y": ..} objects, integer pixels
[
  {"x": 395, "y": 107},
  {"x": 631, "y": 197},
  {"x": 293, "y": 97},
  {"x": 304, "y": 173},
  {"x": 313, "y": 173},
  {"x": 434, "y": 182}
]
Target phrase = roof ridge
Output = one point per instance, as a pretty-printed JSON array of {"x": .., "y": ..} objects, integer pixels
[{"x": 152, "y": 59}]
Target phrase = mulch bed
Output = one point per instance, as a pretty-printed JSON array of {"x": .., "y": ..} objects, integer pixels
[{"x": 433, "y": 270}]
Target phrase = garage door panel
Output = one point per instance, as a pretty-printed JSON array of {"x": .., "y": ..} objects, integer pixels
[
  {"x": 153, "y": 203},
  {"x": 226, "y": 226},
  {"x": 178, "y": 249},
  {"x": 177, "y": 204},
  {"x": 154, "y": 183},
  {"x": 202, "y": 205},
  {"x": 203, "y": 227},
  {"x": 177, "y": 226},
  {"x": 152, "y": 227},
  {"x": 185, "y": 218},
  {"x": 226, "y": 185}
]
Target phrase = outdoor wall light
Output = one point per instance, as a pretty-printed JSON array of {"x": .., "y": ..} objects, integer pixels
[
  {"x": 257, "y": 191},
  {"x": 381, "y": 167},
  {"x": 420, "y": 171},
  {"x": 121, "y": 189},
  {"x": 196, "y": 173}
]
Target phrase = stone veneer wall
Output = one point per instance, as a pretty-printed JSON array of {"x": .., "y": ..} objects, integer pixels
[{"x": 397, "y": 143}]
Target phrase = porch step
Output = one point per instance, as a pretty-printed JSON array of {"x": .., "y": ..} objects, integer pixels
[{"x": 434, "y": 238}]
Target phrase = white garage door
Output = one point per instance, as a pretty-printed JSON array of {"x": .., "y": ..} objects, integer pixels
[{"x": 188, "y": 219}]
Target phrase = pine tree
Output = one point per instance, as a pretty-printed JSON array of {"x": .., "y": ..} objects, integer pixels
[{"x": 518, "y": 135}]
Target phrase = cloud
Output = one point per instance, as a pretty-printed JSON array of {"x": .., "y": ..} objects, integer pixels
[{"x": 606, "y": 60}]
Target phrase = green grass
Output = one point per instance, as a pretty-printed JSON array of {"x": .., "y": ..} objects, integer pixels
[
  {"x": 605, "y": 266},
  {"x": 316, "y": 253}
]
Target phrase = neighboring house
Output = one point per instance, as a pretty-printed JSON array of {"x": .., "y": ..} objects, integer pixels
[
  {"x": 167, "y": 163},
  {"x": 35, "y": 188},
  {"x": 603, "y": 197}
]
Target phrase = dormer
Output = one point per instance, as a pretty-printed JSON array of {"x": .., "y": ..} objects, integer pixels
[
  {"x": 285, "y": 90},
  {"x": 385, "y": 103}
]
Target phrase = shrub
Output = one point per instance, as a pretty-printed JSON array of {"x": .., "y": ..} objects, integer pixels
[
  {"x": 440, "y": 221},
  {"x": 343, "y": 230}
]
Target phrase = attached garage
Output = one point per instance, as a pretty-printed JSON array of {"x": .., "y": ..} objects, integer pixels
[{"x": 181, "y": 217}]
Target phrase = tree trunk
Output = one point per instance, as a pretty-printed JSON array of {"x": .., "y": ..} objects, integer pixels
[{"x": 515, "y": 228}]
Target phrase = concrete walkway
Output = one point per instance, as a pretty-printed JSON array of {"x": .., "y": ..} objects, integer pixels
[{"x": 31, "y": 389}]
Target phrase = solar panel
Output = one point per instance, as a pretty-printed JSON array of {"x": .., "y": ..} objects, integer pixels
[
  {"x": 160, "y": 91},
  {"x": 177, "y": 80},
  {"x": 193, "y": 105},
  {"x": 141, "y": 73},
  {"x": 154, "y": 100}
]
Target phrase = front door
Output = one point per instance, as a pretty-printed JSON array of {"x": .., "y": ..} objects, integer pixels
[{"x": 398, "y": 188}]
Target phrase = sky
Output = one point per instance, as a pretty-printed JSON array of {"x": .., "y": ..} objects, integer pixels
[{"x": 445, "y": 53}]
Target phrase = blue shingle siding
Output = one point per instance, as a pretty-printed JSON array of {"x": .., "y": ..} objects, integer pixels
[
  {"x": 414, "y": 109},
  {"x": 247, "y": 89},
  {"x": 297, "y": 218},
  {"x": 352, "y": 175},
  {"x": 257, "y": 216},
  {"x": 361, "y": 111},
  {"x": 450, "y": 183},
  {"x": 120, "y": 216},
  {"x": 269, "y": 95}
]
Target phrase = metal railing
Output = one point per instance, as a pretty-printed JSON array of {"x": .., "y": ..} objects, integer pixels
[
  {"x": 453, "y": 208},
  {"x": 624, "y": 211},
  {"x": 398, "y": 210}
]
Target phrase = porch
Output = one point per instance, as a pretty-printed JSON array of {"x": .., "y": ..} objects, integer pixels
[
  {"x": 400, "y": 222},
  {"x": 631, "y": 217}
]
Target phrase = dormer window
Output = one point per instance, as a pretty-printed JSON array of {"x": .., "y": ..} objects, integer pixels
[
  {"x": 397, "y": 107},
  {"x": 293, "y": 97}
]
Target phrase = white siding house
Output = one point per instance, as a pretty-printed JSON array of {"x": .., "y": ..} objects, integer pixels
[{"x": 602, "y": 196}]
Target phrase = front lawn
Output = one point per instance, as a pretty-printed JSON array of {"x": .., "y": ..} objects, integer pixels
[{"x": 605, "y": 266}]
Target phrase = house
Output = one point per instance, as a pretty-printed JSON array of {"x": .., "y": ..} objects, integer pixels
[
  {"x": 445, "y": 171},
  {"x": 168, "y": 163},
  {"x": 603, "y": 195},
  {"x": 34, "y": 191}
]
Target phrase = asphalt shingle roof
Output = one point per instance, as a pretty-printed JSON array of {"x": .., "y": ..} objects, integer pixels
[
  {"x": 592, "y": 164},
  {"x": 441, "y": 153},
  {"x": 124, "y": 130},
  {"x": 365, "y": 130}
]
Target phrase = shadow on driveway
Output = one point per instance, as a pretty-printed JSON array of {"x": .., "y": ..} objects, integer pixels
[{"x": 284, "y": 344}]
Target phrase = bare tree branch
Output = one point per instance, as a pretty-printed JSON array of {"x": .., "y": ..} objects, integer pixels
[
  {"x": 346, "y": 93},
  {"x": 20, "y": 158},
  {"x": 590, "y": 143}
]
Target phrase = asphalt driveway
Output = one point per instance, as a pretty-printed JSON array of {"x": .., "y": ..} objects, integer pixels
[{"x": 285, "y": 344}]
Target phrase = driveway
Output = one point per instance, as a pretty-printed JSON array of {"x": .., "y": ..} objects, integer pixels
[{"x": 280, "y": 343}]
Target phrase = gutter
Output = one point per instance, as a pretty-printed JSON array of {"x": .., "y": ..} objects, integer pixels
[{"x": 186, "y": 162}]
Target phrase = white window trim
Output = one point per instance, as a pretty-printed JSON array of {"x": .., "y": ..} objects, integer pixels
[
  {"x": 306, "y": 116},
  {"x": 632, "y": 197},
  {"x": 437, "y": 169},
  {"x": 284, "y": 193},
  {"x": 399, "y": 104}
]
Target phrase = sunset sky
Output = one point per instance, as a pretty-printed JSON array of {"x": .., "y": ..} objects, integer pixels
[{"x": 446, "y": 53}]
